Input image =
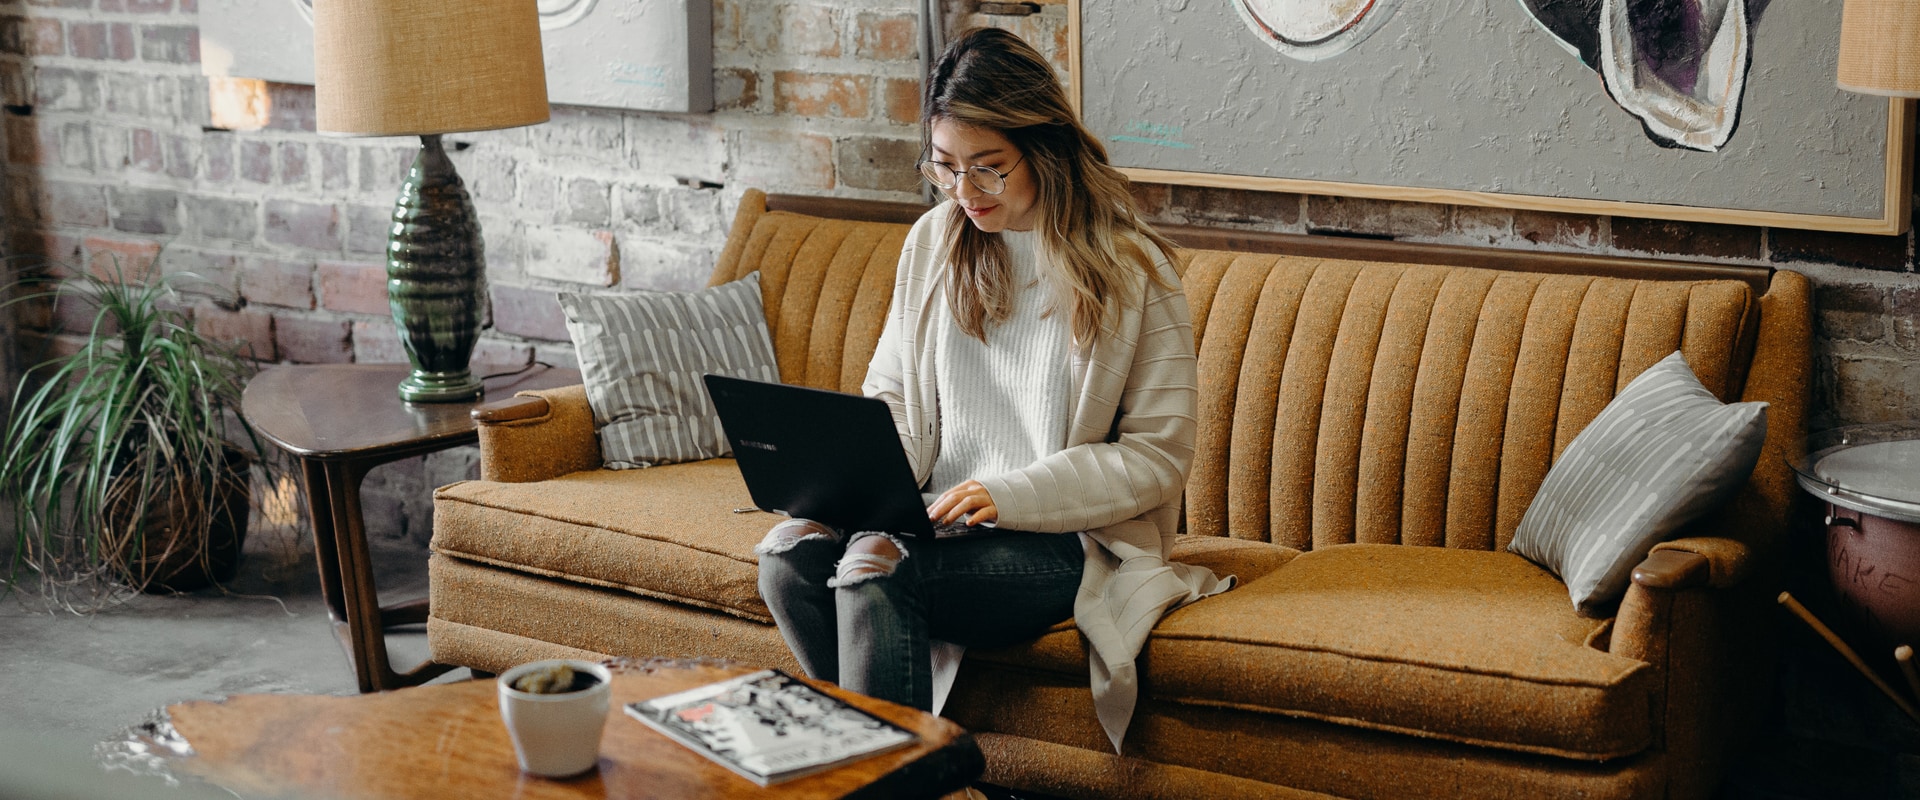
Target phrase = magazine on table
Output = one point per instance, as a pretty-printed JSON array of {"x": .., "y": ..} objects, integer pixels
[{"x": 769, "y": 726}]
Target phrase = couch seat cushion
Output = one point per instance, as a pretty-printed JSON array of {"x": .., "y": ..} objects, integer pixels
[
  {"x": 667, "y": 532},
  {"x": 1465, "y": 645},
  {"x": 1062, "y": 651}
]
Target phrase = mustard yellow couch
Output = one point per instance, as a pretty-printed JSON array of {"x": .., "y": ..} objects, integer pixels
[{"x": 1371, "y": 432}]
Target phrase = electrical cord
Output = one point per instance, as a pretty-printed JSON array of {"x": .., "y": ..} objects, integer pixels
[{"x": 517, "y": 371}]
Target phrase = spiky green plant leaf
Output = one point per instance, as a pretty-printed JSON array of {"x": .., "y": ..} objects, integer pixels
[{"x": 137, "y": 418}]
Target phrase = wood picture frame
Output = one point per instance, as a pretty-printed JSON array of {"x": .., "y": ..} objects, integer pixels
[{"x": 1892, "y": 164}]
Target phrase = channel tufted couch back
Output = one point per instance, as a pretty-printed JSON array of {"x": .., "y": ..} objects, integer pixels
[
  {"x": 1346, "y": 402},
  {"x": 1340, "y": 401},
  {"x": 825, "y": 283}
]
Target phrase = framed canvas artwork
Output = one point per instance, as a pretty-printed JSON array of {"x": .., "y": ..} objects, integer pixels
[
  {"x": 648, "y": 55},
  {"x": 1718, "y": 111}
]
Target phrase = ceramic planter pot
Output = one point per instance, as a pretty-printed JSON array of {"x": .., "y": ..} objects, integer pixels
[
  {"x": 183, "y": 546},
  {"x": 556, "y": 735}
]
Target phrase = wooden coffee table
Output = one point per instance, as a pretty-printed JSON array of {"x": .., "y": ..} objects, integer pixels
[{"x": 447, "y": 740}]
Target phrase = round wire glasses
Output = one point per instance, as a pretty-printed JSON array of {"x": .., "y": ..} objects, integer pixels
[{"x": 987, "y": 179}]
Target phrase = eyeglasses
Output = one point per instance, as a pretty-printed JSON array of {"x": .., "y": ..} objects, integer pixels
[{"x": 986, "y": 179}]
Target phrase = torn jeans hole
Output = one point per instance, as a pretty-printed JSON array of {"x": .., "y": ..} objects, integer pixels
[
  {"x": 786, "y": 535},
  {"x": 856, "y": 568}
]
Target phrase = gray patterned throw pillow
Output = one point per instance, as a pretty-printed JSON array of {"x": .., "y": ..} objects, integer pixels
[
  {"x": 1664, "y": 452},
  {"x": 641, "y": 357}
]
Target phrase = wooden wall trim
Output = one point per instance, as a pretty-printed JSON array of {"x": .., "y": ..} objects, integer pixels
[
  {"x": 846, "y": 208},
  {"x": 1345, "y": 247},
  {"x": 1452, "y": 255}
]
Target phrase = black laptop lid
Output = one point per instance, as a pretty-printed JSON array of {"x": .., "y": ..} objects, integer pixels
[{"x": 825, "y": 456}]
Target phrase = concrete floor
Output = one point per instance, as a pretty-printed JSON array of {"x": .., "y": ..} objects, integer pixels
[{"x": 73, "y": 681}]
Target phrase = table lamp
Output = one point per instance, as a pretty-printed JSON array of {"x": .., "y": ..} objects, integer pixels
[
  {"x": 425, "y": 68},
  {"x": 1880, "y": 47}
]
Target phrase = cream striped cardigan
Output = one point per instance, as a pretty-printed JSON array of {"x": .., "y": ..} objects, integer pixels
[{"x": 1119, "y": 481}]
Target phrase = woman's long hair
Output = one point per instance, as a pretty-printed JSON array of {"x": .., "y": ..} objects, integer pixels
[{"x": 1083, "y": 212}]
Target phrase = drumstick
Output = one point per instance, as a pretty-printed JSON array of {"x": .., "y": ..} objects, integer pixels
[
  {"x": 1904, "y": 655},
  {"x": 1806, "y": 616}
]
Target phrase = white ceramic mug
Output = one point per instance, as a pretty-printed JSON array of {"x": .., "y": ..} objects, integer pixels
[{"x": 556, "y": 735}]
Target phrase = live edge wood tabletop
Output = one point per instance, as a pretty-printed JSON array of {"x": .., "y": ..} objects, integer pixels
[{"x": 447, "y": 741}]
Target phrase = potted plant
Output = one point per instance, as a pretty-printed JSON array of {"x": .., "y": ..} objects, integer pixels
[{"x": 117, "y": 457}]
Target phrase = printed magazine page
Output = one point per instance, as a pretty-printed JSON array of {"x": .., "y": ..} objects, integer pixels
[{"x": 769, "y": 726}]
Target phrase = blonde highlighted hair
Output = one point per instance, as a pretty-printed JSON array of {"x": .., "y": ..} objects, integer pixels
[{"x": 1084, "y": 211}]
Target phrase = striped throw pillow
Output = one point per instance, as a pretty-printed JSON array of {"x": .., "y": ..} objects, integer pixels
[
  {"x": 1664, "y": 452},
  {"x": 641, "y": 357}
]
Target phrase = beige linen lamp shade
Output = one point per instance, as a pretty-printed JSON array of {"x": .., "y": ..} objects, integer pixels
[
  {"x": 1880, "y": 47},
  {"x": 415, "y": 67}
]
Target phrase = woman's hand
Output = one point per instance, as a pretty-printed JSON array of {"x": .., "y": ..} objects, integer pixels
[{"x": 969, "y": 496}]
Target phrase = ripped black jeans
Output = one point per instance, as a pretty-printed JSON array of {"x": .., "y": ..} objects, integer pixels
[{"x": 865, "y": 622}]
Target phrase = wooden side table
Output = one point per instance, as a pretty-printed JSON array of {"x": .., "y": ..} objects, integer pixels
[{"x": 341, "y": 421}]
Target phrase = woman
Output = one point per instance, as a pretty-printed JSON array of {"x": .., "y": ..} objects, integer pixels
[{"x": 1028, "y": 311}]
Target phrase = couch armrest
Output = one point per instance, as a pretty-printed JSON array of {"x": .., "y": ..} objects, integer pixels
[
  {"x": 1671, "y": 570},
  {"x": 537, "y": 435},
  {"x": 513, "y": 409},
  {"x": 1647, "y": 618},
  {"x": 1696, "y": 617},
  {"x": 1726, "y": 562}
]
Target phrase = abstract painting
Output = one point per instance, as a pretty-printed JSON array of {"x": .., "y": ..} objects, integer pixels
[
  {"x": 1679, "y": 66},
  {"x": 1314, "y": 30},
  {"x": 1672, "y": 109}
]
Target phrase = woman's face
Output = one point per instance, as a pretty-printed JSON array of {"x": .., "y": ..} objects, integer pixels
[{"x": 962, "y": 147}]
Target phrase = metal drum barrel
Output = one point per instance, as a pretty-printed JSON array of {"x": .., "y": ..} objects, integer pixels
[{"x": 1869, "y": 477}]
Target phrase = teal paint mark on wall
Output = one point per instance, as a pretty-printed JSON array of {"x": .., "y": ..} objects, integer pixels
[
  {"x": 1159, "y": 134},
  {"x": 1156, "y": 142}
]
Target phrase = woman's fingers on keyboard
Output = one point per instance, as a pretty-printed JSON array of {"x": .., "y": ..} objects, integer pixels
[{"x": 969, "y": 497}]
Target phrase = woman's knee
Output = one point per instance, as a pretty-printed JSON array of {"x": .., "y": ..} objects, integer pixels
[
  {"x": 869, "y": 556},
  {"x": 796, "y": 553},
  {"x": 791, "y": 533}
]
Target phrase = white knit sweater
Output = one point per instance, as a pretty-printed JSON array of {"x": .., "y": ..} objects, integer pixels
[
  {"x": 1008, "y": 394},
  {"x": 1119, "y": 479}
]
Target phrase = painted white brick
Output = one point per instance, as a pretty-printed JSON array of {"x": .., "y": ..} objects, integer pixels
[
  {"x": 662, "y": 147},
  {"x": 669, "y": 265},
  {"x": 573, "y": 255},
  {"x": 778, "y": 160}
]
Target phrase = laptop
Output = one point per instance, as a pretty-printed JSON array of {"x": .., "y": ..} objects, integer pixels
[{"x": 826, "y": 456}]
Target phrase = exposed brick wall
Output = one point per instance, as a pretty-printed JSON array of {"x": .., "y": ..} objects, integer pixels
[
  {"x": 9, "y": 328},
  {"x": 106, "y": 144},
  {"x": 108, "y": 161}
]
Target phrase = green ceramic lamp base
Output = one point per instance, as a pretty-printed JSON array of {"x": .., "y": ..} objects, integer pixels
[
  {"x": 439, "y": 387},
  {"x": 437, "y": 279}
]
